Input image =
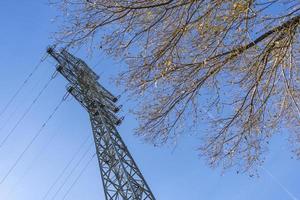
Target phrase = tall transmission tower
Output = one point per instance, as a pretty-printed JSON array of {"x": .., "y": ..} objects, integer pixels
[{"x": 121, "y": 178}]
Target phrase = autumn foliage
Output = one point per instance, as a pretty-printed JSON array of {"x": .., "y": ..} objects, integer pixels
[{"x": 225, "y": 69}]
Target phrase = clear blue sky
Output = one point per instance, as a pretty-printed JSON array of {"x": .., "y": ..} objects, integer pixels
[{"x": 173, "y": 174}]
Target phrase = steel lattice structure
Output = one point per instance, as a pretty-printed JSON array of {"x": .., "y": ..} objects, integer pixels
[{"x": 122, "y": 180}]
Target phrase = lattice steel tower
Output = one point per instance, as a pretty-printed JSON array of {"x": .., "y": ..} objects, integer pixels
[{"x": 122, "y": 180}]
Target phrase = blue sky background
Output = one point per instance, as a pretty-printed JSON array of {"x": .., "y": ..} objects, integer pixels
[{"x": 173, "y": 174}]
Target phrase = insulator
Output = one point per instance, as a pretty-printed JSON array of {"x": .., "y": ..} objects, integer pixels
[
  {"x": 70, "y": 89},
  {"x": 115, "y": 99},
  {"x": 117, "y": 109},
  {"x": 120, "y": 121},
  {"x": 50, "y": 50},
  {"x": 59, "y": 68}
]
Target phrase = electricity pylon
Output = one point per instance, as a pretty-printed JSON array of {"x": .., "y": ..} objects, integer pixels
[{"x": 121, "y": 178}]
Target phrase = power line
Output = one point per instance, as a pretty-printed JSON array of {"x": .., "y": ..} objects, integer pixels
[
  {"x": 66, "y": 167},
  {"x": 27, "y": 110},
  {"x": 6, "y": 122},
  {"x": 283, "y": 187},
  {"x": 9, "y": 118},
  {"x": 72, "y": 171},
  {"x": 23, "y": 85},
  {"x": 37, "y": 157},
  {"x": 33, "y": 139},
  {"x": 79, "y": 175}
]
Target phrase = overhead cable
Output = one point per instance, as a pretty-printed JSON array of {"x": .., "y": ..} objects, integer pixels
[
  {"x": 20, "y": 104},
  {"x": 33, "y": 139},
  {"x": 27, "y": 110},
  {"x": 36, "y": 159},
  {"x": 79, "y": 175},
  {"x": 23, "y": 85},
  {"x": 72, "y": 171},
  {"x": 66, "y": 167}
]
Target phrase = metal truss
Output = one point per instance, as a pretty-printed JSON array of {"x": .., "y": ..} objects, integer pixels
[{"x": 121, "y": 178}]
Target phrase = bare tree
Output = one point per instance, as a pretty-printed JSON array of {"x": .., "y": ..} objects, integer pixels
[{"x": 231, "y": 66}]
